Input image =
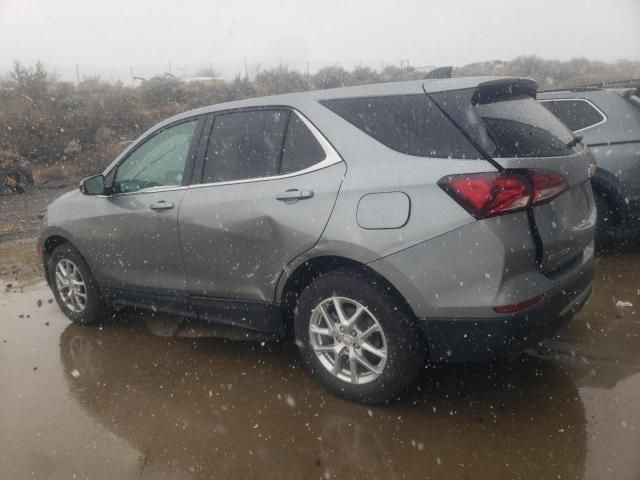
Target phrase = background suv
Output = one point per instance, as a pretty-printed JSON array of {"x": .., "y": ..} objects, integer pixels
[
  {"x": 449, "y": 219},
  {"x": 608, "y": 119}
]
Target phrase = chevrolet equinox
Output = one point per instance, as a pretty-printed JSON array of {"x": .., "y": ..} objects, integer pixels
[{"x": 380, "y": 226}]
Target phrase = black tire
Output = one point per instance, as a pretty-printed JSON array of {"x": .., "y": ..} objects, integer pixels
[
  {"x": 95, "y": 309},
  {"x": 608, "y": 220},
  {"x": 405, "y": 345}
]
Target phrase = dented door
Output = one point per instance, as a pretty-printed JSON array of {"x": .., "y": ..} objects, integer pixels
[{"x": 238, "y": 237}]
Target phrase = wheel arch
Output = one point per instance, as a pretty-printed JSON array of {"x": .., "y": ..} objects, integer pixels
[
  {"x": 607, "y": 186},
  {"x": 50, "y": 243},
  {"x": 314, "y": 267}
]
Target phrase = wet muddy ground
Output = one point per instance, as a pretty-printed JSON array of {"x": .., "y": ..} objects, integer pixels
[{"x": 129, "y": 400}]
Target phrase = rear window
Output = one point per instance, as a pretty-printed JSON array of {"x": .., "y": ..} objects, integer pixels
[
  {"x": 510, "y": 126},
  {"x": 575, "y": 114},
  {"x": 410, "y": 124}
]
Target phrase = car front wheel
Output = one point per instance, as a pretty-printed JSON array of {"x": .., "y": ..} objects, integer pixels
[{"x": 74, "y": 287}]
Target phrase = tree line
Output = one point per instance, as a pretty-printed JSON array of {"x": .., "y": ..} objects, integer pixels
[{"x": 47, "y": 121}]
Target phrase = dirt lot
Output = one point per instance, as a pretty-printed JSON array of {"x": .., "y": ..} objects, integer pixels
[
  {"x": 128, "y": 400},
  {"x": 19, "y": 220}
]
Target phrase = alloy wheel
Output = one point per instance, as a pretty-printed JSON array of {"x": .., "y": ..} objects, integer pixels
[
  {"x": 71, "y": 286},
  {"x": 348, "y": 340}
]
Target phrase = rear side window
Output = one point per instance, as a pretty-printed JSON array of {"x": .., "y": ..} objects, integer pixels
[
  {"x": 575, "y": 114},
  {"x": 508, "y": 125},
  {"x": 301, "y": 149},
  {"x": 410, "y": 124},
  {"x": 245, "y": 145}
]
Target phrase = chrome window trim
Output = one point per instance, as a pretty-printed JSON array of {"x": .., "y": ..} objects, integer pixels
[
  {"x": 331, "y": 158},
  {"x": 604, "y": 116},
  {"x": 162, "y": 188},
  {"x": 137, "y": 143}
]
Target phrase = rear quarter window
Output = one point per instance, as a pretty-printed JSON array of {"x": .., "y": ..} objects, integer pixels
[
  {"x": 574, "y": 113},
  {"x": 409, "y": 124}
]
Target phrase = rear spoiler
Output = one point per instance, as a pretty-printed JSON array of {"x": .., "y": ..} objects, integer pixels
[
  {"x": 441, "y": 72},
  {"x": 496, "y": 90}
]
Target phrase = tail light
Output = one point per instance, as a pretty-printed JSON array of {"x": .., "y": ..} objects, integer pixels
[
  {"x": 546, "y": 185},
  {"x": 489, "y": 194}
]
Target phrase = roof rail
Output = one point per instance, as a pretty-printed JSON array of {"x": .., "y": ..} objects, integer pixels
[
  {"x": 570, "y": 89},
  {"x": 631, "y": 83},
  {"x": 440, "y": 72}
]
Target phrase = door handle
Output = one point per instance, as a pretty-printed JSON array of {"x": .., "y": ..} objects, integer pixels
[
  {"x": 293, "y": 195},
  {"x": 161, "y": 205}
]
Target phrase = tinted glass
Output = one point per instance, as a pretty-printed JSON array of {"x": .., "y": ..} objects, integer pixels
[
  {"x": 410, "y": 124},
  {"x": 245, "y": 145},
  {"x": 521, "y": 127},
  {"x": 508, "y": 125},
  {"x": 575, "y": 114},
  {"x": 301, "y": 149},
  {"x": 159, "y": 161}
]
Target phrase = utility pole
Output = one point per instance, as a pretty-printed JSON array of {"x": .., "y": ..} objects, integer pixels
[
  {"x": 77, "y": 74},
  {"x": 307, "y": 68},
  {"x": 246, "y": 69},
  {"x": 131, "y": 70},
  {"x": 170, "y": 69}
]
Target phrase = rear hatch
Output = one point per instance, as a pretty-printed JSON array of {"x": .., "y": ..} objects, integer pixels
[{"x": 517, "y": 134}]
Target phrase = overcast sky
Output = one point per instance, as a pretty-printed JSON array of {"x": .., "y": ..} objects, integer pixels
[{"x": 111, "y": 35}]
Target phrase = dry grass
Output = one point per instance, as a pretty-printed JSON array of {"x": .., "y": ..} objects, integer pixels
[{"x": 57, "y": 174}]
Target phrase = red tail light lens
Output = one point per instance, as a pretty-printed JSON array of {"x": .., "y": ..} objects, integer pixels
[
  {"x": 547, "y": 185},
  {"x": 488, "y": 194}
]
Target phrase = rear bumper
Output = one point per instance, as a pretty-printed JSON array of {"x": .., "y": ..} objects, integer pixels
[{"x": 483, "y": 339}]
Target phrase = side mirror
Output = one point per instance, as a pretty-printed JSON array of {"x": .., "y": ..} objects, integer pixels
[{"x": 93, "y": 185}]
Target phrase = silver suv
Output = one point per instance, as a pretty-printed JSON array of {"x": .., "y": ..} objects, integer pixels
[
  {"x": 378, "y": 225},
  {"x": 607, "y": 117}
]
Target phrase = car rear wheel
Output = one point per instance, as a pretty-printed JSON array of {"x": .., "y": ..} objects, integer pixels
[
  {"x": 74, "y": 287},
  {"x": 357, "y": 338}
]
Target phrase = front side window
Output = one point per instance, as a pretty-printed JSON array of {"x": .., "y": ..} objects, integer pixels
[
  {"x": 575, "y": 114},
  {"x": 159, "y": 161}
]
